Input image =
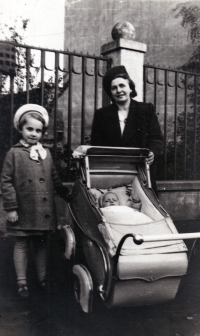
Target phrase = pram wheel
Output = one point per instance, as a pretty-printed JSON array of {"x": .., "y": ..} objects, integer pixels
[{"x": 83, "y": 287}]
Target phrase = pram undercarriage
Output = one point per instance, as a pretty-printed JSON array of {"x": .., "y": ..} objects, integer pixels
[{"x": 117, "y": 264}]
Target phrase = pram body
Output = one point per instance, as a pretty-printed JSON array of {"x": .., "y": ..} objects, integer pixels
[{"x": 144, "y": 274}]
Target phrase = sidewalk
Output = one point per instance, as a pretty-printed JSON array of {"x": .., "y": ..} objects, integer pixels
[{"x": 57, "y": 313}]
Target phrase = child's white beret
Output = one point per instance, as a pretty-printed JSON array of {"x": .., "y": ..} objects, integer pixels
[{"x": 30, "y": 108}]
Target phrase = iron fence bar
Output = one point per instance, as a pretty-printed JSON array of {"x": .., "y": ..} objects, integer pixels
[
  {"x": 1, "y": 82},
  {"x": 65, "y": 52},
  {"x": 11, "y": 108},
  {"x": 145, "y": 83},
  {"x": 40, "y": 89},
  {"x": 195, "y": 124},
  {"x": 27, "y": 73},
  {"x": 155, "y": 88},
  {"x": 165, "y": 125},
  {"x": 56, "y": 106},
  {"x": 42, "y": 65},
  {"x": 185, "y": 127},
  {"x": 175, "y": 124},
  {"x": 83, "y": 101},
  {"x": 109, "y": 64},
  {"x": 69, "y": 116},
  {"x": 96, "y": 71}
]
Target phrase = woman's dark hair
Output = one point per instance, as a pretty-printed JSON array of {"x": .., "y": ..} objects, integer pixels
[{"x": 33, "y": 115}]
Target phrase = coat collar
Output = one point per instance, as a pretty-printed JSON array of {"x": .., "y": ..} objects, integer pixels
[
  {"x": 135, "y": 108},
  {"x": 19, "y": 145},
  {"x": 26, "y": 149},
  {"x": 135, "y": 122}
]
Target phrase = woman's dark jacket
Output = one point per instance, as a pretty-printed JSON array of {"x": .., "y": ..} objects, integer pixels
[
  {"x": 142, "y": 129},
  {"x": 28, "y": 187}
]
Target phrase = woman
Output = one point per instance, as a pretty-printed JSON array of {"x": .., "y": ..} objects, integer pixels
[{"x": 126, "y": 122}]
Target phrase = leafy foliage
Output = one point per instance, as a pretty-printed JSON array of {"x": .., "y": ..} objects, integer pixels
[
  {"x": 188, "y": 121},
  {"x": 190, "y": 16},
  {"x": 190, "y": 20},
  {"x": 15, "y": 34}
]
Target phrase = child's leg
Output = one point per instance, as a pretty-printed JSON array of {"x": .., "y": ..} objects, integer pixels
[
  {"x": 40, "y": 254},
  {"x": 21, "y": 258}
]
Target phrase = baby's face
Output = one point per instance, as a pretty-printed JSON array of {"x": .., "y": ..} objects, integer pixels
[{"x": 110, "y": 199}]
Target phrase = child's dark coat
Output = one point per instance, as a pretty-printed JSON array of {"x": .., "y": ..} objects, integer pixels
[{"x": 28, "y": 187}]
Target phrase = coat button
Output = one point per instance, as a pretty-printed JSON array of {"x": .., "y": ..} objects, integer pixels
[
  {"x": 44, "y": 199},
  {"x": 41, "y": 180},
  {"x": 47, "y": 216}
]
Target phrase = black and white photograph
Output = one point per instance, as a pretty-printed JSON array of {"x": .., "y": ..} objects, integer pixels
[{"x": 99, "y": 168}]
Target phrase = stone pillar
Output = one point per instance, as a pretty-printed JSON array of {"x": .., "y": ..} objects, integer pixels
[{"x": 125, "y": 51}]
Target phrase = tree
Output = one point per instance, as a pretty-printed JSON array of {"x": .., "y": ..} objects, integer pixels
[
  {"x": 190, "y": 20},
  {"x": 16, "y": 35}
]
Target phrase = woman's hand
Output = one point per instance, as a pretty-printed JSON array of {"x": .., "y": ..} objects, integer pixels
[
  {"x": 150, "y": 158},
  {"x": 12, "y": 216}
]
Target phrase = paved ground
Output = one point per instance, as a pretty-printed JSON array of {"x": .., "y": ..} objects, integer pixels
[{"x": 58, "y": 314}]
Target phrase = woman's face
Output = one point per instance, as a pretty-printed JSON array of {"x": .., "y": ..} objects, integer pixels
[{"x": 120, "y": 90}]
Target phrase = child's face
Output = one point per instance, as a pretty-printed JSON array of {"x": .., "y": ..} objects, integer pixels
[
  {"x": 32, "y": 131},
  {"x": 110, "y": 199}
]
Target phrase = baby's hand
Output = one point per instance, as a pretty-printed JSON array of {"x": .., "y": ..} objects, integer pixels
[
  {"x": 12, "y": 216},
  {"x": 136, "y": 204}
]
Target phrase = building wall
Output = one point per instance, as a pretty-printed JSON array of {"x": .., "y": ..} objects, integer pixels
[{"x": 88, "y": 25}]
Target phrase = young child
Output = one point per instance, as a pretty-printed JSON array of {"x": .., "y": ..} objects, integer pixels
[
  {"x": 119, "y": 220},
  {"x": 28, "y": 182},
  {"x": 108, "y": 199}
]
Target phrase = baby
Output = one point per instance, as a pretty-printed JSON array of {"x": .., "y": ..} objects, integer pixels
[
  {"x": 110, "y": 199},
  {"x": 119, "y": 221}
]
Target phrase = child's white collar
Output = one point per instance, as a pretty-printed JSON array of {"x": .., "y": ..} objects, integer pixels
[{"x": 36, "y": 152}]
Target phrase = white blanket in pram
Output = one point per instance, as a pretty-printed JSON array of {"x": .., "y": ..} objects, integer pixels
[{"x": 120, "y": 220}]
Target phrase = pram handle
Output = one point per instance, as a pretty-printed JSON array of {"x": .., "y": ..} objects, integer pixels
[
  {"x": 148, "y": 174},
  {"x": 139, "y": 239}
]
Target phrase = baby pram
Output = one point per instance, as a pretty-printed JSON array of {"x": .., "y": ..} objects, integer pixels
[{"x": 113, "y": 262}]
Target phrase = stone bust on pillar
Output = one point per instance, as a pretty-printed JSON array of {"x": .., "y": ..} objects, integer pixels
[{"x": 124, "y": 50}]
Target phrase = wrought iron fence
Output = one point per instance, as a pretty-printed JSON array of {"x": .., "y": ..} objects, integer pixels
[
  {"x": 175, "y": 95},
  {"x": 68, "y": 84}
]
